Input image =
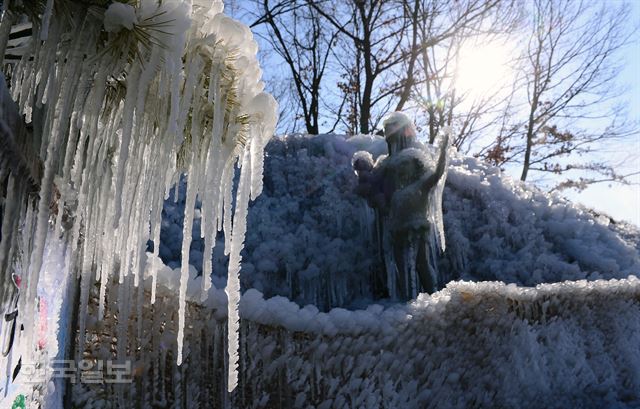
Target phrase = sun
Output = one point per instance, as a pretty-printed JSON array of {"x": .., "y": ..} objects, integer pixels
[{"x": 482, "y": 69}]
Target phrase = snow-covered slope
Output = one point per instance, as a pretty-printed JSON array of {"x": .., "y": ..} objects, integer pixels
[{"x": 310, "y": 237}]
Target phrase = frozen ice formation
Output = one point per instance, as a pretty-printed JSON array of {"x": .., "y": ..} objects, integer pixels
[
  {"x": 496, "y": 229},
  {"x": 569, "y": 344},
  {"x": 119, "y": 16},
  {"x": 166, "y": 89}
]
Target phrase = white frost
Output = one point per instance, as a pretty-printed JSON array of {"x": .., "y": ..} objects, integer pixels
[{"x": 119, "y": 16}]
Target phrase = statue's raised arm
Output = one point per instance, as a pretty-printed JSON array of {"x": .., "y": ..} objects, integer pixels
[{"x": 430, "y": 182}]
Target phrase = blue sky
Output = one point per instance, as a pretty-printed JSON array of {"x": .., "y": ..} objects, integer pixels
[{"x": 622, "y": 202}]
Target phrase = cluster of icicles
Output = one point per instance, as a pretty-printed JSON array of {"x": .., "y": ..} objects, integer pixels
[{"x": 134, "y": 96}]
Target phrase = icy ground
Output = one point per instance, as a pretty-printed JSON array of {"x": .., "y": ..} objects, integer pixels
[{"x": 309, "y": 235}]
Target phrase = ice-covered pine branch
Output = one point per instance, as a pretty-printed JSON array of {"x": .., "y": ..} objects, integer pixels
[{"x": 130, "y": 98}]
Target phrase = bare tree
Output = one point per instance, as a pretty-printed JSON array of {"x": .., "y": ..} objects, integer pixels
[
  {"x": 373, "y": 34},
  {"x": 403, "y": 54},
  {"x": 297, "y": 35},
  {"x": 388, "y": 39},
  {"x": 371, "y": 49},
  {"x": 568, "y": 73}
]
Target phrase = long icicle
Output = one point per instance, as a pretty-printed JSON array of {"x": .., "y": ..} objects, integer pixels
[{"x": 233, "y": 281}]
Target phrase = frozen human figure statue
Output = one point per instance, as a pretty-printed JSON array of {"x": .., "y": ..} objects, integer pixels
[{"x": 402, "y": 188}]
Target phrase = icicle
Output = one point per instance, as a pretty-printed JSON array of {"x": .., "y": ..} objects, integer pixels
[
  {"x": 227, "y": 185},
  {"x": 435, "y": 201},
  {"x": 233, "y": 281},
  {"x": 114, "y": 135},
  {"x": 209, "y": 223},
  {"x": 125, "y": 139},
  {"x": 8, "y": 19},
  {"x": 107, "y": 265},
  {"x": 156, "y": 223},
  {"x": 46, "y": 18},
  {"x": 260, "y": 108},
  {"x": 184, "y": 267},
  {"x": 41, "y": 230}
]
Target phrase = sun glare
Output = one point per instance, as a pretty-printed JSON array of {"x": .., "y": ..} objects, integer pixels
[{"x": 483, "y": 69}]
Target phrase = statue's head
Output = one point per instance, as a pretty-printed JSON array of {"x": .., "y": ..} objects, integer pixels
[{"x": 399, "y": 132}]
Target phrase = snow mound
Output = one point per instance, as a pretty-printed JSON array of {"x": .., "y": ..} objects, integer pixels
[{"x": 310, "y": 237}]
